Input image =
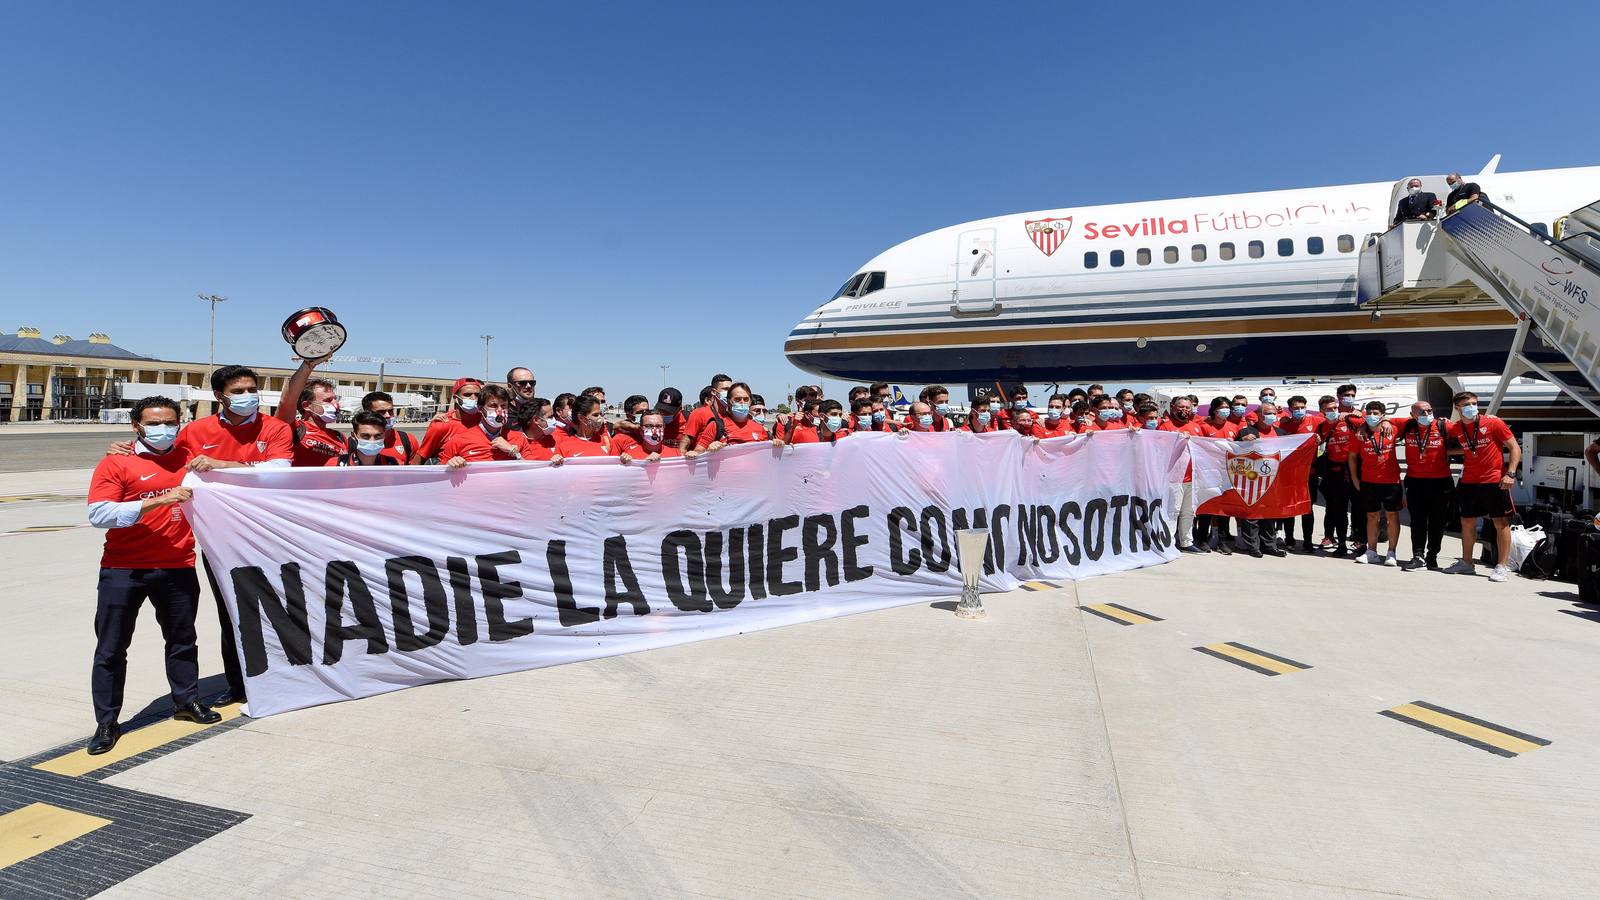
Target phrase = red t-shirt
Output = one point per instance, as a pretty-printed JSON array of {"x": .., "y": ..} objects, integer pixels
[
  {"x": 259, "y": 440},
  {"x": 394, "y": 446},
  {"x": 803, "y": 434},
  {"x": 1338, "y": 435},
  {"x": 1380, "y": 464},
  {"x": 1481, "y": 441},
  {"x": 438, "y": 432},
  {"x": 1062, "y": 427},
  {"x": 1426, "y": 456},
  {"x": 315, "y": 444},
  {"x": 570, "y": 446},
  {"x": 698, "y": 417},
  {"x": 733, "y": 432},
  {"x": 161, "y": 539},
  {"x": 1210, "y": 429},
  {"x": 638, "y": 449},
  {"x": 474, "y": 445},
  {"x": 1288, "y": 424}
]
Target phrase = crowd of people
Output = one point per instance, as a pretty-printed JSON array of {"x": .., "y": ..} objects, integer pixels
[{"x": 137, "y": 492}]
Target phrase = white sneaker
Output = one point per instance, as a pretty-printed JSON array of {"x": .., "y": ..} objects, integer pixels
[
  {"x": 1370, "y": 558},
  {"x": 1500, "y": 573},
  {"x": 1390, "y": 560},
  {"x": 1462, "y": 567}
]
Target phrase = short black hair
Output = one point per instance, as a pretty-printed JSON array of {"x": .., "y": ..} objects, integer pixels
[
  {"x": 861, "y": 404},
  {"x": 1298, "y": 398},
  {"x": 634, "y": 400},
  {"x": 1146, "y": 408},
  {"x": 720, "y": 376},
  {"x": 707, "y": 392},
  {"x": 859, "y": 390},
  {"x": 585, "y": 404},
  {"x": 153, "y": 403},
  {"x": 375, "y": 397},
  {"x": 1377, "y": 406},
  {"x": 597, "y": 389},
  {"x": 1077, "y": 392},
  {"x": 878, "y": 386},
  {"x": 564, "y": 399},
  {"x": 805, "y": 392},
  {"x": 757, "y": 400},
  {"x": 1348, "y": 389},
  {"x": 494, "y": 392},
  {"x": 368, "y": 417},
  {"x": 1020, "y": 390},
  {"x": 221, "y": 377}
]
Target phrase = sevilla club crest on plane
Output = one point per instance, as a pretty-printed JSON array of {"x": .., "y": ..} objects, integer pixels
[
  {"x": 1252, "y": 474},
  {"x": 1048, "y": 234}
]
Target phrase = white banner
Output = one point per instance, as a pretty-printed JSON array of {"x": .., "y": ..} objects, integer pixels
[{"x": 346, "y": 583}]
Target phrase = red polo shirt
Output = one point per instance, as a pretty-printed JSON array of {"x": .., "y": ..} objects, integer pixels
[
  {"x": 1379, "y": 462},
  {"x": 637, "y": 449},
  {"x": 733, "y": 432},
  {"x": 394, "y": 446},
  {"x": 438, "y": 432},
  {"x": 261, "y": 439},
  {"x": 1337, "y": 435},
  {"x": 570, "y": 446},
  {"x": 1426, "y": 456},
  {"x": 1210, "y": 429},
  {"x": 161, "y": 539}
]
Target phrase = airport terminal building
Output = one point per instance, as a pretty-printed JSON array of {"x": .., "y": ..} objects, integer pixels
[{"x": 70, "y": 380}]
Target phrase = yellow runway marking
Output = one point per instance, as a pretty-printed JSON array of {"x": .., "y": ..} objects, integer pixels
[
  {"x": 1252, "y": 659},
  {"x": 1496, "y": 739},
  {"x": 133, "y": 743},
  {"x": 1040, "y": 586},
  {"x": 1120, "y": 614},
  {"x": 37, "y": 827}
]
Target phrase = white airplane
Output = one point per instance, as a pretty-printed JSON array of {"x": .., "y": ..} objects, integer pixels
[{"x": 1241, "y": 286}]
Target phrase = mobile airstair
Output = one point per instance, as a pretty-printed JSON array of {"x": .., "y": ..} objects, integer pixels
[{"x": 1482, "y": 254}]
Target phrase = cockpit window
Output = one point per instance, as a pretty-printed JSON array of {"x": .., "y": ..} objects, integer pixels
[{"x": 861, "y": 284}]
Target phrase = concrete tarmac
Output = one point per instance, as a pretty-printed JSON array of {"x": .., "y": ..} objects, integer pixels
[
  {"x": 30, "y": 448},
  {"x": 1048, "y": 751}
]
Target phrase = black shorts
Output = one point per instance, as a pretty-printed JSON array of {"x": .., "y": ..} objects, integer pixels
[
  {"x": 1381, "y": 496},
  {"x": 1477, "y": 500}
]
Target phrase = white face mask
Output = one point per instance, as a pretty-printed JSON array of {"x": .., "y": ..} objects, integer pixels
[
  {"x": 160, "y": 437},
  {"x": 493, "y": 420},
  {"x": 370, "y": 448},
  {"x": 1413, "y": 191},
  {"x": 330, "y": 412},
  {"x": 468, "y": 404}
]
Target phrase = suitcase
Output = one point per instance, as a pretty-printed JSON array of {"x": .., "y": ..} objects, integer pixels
[
  {"x": 1539, "y": 514},
  {"x": 1569, "y": 561},
  {"x": 1589, "y": 569}
]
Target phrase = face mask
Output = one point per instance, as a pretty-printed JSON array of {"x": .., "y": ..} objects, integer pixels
[
  {"x": 160, "y": 437},
  {"x": 1152, "y": 424},
  {"x": 1298, "y": 413},
  {"x": 468, "y": 404},
  {"x": 1107, "y": 415},
  {"x": 370, "y": 448},
  {"x": 1269, "y": 398},
  {"x": 1019, "y": 404},
  {"x": 1452, "y": 185},
  {"x": 1425, "y": 419},
  {"x": 835, "y": 423},
  {"x": 1085, "y": 421},
  {"x": 740, "y": 410},
  {"x": 1270, "y": 419},
  {"x": 1347, "y": 403},
  {"x": 1240, "y": 410},
  {"x": 943, "y": 409},
  {"x": 1374, "y": 420},
  {"x": 925, "y": 420},
  {"x": 493, "y": 420},
  {"x": 877, "y": 418},
  {"x": 863, "y": 422},
  {"x": 983, "y": 418},
  {"x": 330, "y": 412},
  {"x": 636, "y": 418},
  {"x": 1127, "y": 407},
  {"x": 653, "y": 435},
  {"x": 244, "y": 404},
  {"x": 1181, "y": 415},
  {"x": 1413, "y": 191},
  {"x": 1053, "y": 415},
  {"x": 388, "y": 424},
  {"x": 1469, "y": 412}
]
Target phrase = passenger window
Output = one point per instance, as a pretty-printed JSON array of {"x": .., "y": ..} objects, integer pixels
[
  {"x": 1285, "y": 246},
  {"x": 1144, "y": 256},
  {"x": 1169, "y": 255},
  {"x": 1225, "y": 250},
  {"x": 1091, "y": 260},
  {"x": 1198, "y": 253},
  {"x": 874, "y": 282},
  {"x": 1313, "y": 245},
  {"x": 1347, "y": 243},
  {"x": 1116, "y": 259},
  {"x": 1256, "y": 249}
]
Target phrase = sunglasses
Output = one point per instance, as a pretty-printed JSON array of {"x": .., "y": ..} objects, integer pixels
[{"x": 526, "y": 384}]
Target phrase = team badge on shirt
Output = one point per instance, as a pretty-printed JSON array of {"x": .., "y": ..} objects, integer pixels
[
  {"x": 1048, "y": 234},
  {"x": 261, "y": 446},
  {"x": 1252, "y": 474}
]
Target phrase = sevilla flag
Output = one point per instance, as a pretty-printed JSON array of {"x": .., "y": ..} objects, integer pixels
[{"x": 1264, "y": 479}]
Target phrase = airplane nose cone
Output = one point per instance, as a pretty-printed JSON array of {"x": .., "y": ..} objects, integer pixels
[{"x": 802, "y": 338}]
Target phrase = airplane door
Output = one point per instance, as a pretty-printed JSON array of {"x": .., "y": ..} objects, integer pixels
[{"x": 975, "y": 271}]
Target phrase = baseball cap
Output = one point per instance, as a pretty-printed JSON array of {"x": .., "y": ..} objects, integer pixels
[
  {"x": 670, "y": 401},
  {"x": 463, "y": 382}
]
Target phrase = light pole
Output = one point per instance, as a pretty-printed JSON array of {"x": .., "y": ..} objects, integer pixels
[
  {"x": 486, "y": 339},
  {"x": 211, "y": 355},
  {"x": 664, "y": 375}
]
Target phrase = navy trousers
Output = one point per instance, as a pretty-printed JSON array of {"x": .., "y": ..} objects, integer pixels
[{"x": 175, "y": 595}]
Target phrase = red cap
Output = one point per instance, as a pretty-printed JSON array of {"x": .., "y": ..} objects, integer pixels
[{"x": 463, "y": 382}]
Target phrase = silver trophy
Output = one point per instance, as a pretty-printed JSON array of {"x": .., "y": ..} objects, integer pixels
[
  {"x": 970, "y": 544},
  {"x": 314, "y": 332}
]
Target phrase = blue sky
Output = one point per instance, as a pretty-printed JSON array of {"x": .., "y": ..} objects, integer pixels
[{"x": 608, "y": 187}]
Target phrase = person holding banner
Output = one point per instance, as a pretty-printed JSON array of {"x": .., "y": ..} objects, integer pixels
[
  {"x": 396, "y": 443},
  {"x": 149, "y": 554},
  {"x": 937, "y": 396},
  {"x": 738, "y": 427},
  {"x": 1260, "y": 536},
  {"x": 464, "y": 414},
  {"x": 489, "y": 439},
  {"x": 921, "y": 418},
  {"x": 980, "y": 419},
  {"x": 650, "y": 445},
  {"x": 588, "y": 435},
  {"x": 1108, "y": 415},
  {"x": 1297, "y": 419},
  {"x": 1375, "y": 474},
  {"x": 1082, "y": 417},
  {"x": 1180, "y": 418},
  {"x": 1057, "y": 423},
  {"x": 1217, "y": 426}
]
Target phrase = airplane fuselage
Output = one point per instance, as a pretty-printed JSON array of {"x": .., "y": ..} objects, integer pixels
[{"x": 1255, "y": 285}]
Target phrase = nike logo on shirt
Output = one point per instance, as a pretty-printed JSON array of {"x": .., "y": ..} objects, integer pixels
[
  {"x": 147, "y": 477},
  {"x": 209, "y": 446}
]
